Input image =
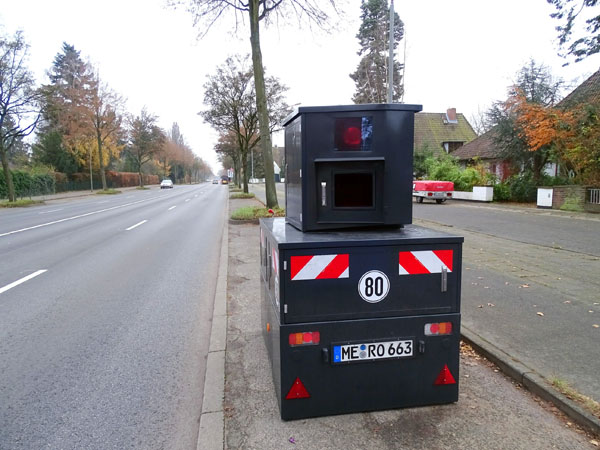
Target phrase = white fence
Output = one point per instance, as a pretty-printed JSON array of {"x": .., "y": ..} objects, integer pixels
[
  {"x": 479, "y": 194},
  {"x": 594, "y": 196}
]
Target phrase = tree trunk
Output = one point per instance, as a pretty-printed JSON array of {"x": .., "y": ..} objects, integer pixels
[
  {"x": 245, "y": 171},
  {"x": 237, "y": 179},
  {"x": 539, "y": 161},
  {"x": 140, "y": 175},
  {"x": 91, "y": 174},
  {"x": 8, "y": 176},
  {"x": 101, "y": 160},
  {"x": 261, "y": 105}
]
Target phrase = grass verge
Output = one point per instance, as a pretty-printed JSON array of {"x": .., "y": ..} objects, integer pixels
[
  {"x": 108, "y": 192},
  {"x": 142, "y": 188},
  {"x": 242, "y": 195},
  {"x": 588, "y": 403},
  {"x": 24, "y": 202},
  {"x": 256, "y": 212}
]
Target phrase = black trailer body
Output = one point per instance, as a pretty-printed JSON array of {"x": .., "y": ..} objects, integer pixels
[
  {"x": 349, "y": 166},
  {"x": 360, "y": 320}
]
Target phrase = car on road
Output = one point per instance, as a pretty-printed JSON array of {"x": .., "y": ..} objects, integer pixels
[
  {"x": 215, "y": 181},
  {"x": 166, "y": 184},
  {"x": 439, "y": 191}
]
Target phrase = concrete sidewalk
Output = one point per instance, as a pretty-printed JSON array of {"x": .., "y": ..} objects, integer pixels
[{"x": 493, "y": 411}]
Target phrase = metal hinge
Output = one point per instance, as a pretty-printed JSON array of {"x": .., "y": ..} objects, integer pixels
[
  {"x": 285, "y": 308},
  {"x": 444, "y": 279},
  {"x": 284, "y": 266},
  {"x": 300, "y": 173}
]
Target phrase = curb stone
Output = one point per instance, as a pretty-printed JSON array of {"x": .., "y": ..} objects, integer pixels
[
  {"x": 211, "y": 433},
  {"x": 534, "y": 382}
]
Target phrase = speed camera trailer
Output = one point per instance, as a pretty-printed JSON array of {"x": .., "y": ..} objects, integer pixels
[{"x": 360, "y": 320}]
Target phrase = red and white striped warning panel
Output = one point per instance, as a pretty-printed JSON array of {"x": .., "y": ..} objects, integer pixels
[
  {"x": 319, "y": 267},
  {"x": 426, "y": 261}
]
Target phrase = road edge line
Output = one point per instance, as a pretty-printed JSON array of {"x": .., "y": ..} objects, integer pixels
[
  {"x": 211, "y": 433},
  {"x": 533, "y": 381}
]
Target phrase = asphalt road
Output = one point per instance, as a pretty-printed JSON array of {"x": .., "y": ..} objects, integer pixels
[
  {"x": 105, "y": 307},
  {"x": 530, "y": 285}
]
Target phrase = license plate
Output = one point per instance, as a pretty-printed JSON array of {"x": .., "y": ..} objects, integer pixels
[{"x": 372, "y": 351}]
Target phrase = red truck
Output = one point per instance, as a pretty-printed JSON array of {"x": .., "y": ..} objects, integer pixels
[{"x": 439, "y": 191}]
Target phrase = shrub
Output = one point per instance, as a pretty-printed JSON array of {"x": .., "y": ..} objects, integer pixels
[
  {"x": 522, "y": 187},
  {"x": 467, "y": 179},
  {"x": 30, "y": 182},
  {"x": 502, "y": 192},
  {"x": 446, "y": 168},
  {"x": 255, "y": 212},
  {"x": 420, "y": 157},
  {"x": 242, "y": 195}
]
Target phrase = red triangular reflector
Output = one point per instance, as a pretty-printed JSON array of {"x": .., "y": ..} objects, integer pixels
[
  {"x": 297, "y": 391},
  {"x": 445, "y": 377}
]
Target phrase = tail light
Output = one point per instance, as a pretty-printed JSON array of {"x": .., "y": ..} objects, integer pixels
[
  {"x": 438, "y": 329},
  {"x": 304, "y": 338}
]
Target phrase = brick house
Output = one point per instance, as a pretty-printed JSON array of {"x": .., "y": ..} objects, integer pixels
[
  {"x": 483, "y": 148},
  {"x": 442, "y": 132}
]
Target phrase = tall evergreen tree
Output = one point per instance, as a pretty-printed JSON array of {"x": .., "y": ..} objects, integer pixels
[
  {"x": 372, "y": 71},
  {"x": 68, "y": 103}
]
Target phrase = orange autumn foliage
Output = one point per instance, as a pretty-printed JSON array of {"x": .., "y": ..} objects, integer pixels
[
  {"x": 542, "y": 125},
  {"x": 573, "y": 135}
]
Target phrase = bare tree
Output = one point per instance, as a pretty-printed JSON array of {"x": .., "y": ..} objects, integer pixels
[
  {"x": 207, "y": 12},
  {"x": 19, "y": 100},
  {"x": 230, "y": 96},
  {"x": 145, "y": 140},
  {"x": 106, "y": 118}
]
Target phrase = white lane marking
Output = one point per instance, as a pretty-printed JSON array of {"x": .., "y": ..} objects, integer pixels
[
  {"x": 73, "y": 218},
  {"x": 22, "y": 280},
  {"x": 48, "y": 212},
  {"x": 136, "y": 225},
  {"x": 100, "y": 203},
  {"x": 172, "y": 207},
  {"x": 187, "y": 200}
]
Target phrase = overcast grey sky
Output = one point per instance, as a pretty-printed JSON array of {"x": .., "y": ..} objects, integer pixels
[{"x": 462, "y": 54}]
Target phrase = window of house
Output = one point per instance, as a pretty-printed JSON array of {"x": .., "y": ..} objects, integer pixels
[{"x": 451, "y": 146}]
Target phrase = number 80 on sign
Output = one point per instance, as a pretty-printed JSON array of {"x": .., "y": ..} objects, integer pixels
[{"x": 373, "y": 286}]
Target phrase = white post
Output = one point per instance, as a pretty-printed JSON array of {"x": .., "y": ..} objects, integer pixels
[{"x": 391, "y": 56}]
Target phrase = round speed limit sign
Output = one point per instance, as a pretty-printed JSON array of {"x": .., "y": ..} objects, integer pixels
[{"x": 373, "y": 286}]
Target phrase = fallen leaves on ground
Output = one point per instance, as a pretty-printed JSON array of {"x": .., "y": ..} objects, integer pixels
[
  {"x": 523, "y": 286},
  {"x": 540, "y": 314}
]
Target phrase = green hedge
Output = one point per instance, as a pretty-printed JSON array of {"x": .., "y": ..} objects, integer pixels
[{"x": 28, "y": 184}]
